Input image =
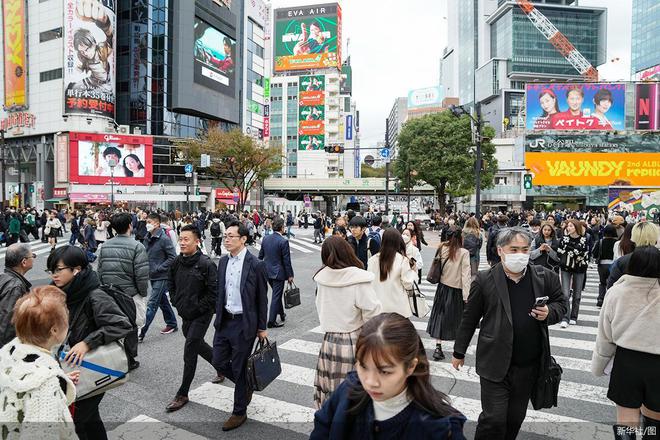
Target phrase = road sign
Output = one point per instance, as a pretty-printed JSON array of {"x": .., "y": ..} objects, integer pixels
[
  {"x": 385, "y": 153},
  {"x": 188, "y": 175},
  {"x": 188, "y": 168},
  {"x": 369, "y": 160},
  {"x": 236, "y": 195},
  {"x": 205, "y": 161}
]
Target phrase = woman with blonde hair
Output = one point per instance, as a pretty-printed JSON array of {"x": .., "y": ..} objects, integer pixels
[
  {"x": 452, "y": 292},
  {"x": 35, "y": 392}
]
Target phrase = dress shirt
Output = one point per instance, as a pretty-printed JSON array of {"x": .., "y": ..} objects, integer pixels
[{"x": 233, "y": 273}]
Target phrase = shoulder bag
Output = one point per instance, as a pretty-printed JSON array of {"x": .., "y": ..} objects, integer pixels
[
  {"x": 263, "y": 365},
  {"x": 417, "y": 300},
  {"x": 435, "y": 272},
  {"x": 102, "y": 369},
  {"x": 291, "y": 296}
]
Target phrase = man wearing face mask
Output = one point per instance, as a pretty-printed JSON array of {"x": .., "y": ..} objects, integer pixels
[{"x": 513, "y": 338}]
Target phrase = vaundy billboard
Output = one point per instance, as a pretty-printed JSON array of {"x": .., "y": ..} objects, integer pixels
[
  {"x": 14, "y": 50},
  {"x": 92, "y": 155},
  {"x": 307, "y": 37},
  {"x": 570, "y": 106},
  {"x": 89, "y": 57}
]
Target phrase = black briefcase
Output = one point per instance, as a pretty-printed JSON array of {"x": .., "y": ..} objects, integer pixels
[
  {"x": 263, "y": 365},
  {"x": 291, "y": 296}
]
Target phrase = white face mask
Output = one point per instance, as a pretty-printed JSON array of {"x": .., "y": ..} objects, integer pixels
[
  {"x": 150, "y": 227},
  {"x": 406, "y": 239},
  {"x": 516, "y": 263}
]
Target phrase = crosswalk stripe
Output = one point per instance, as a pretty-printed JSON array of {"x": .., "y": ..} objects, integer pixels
[
  {"x": 300, "y": 248},
  {"x": 145, "y": 427},
  {"x": 306, "y": 243},
  {"x": 37, "y": 246}
]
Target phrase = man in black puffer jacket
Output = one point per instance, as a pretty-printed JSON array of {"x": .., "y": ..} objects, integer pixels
[{"x": 193, "y": 289}]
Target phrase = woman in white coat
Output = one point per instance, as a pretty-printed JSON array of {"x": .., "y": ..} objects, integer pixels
[
  {"x": 412, "y": 251},
  {"x": 394, "y": 274}
]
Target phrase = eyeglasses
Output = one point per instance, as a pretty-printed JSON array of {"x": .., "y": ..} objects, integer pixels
[
  {"x": 57, "y": 270},
  {"x": 33, "y": 256},
  {"x": 229, "y": 237}
]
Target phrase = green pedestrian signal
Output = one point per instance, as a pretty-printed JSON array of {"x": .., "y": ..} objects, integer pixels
[
  {"x": 31, "y": 188},
  {"x": 527, "y": 181},
  {"x": 197, "y": 190}
]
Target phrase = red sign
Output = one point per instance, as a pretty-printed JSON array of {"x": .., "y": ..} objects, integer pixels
[
  {"x": 59, "y": 192},
  {"x": 266, "y": 128},
  {"x": 95, "y": 158},
  {"x": 89, "y": 197},
  {"x": 19, "y": 119}
]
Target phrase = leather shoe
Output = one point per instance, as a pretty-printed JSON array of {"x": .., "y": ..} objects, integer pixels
[
  {"x": 249, "y": 396},
  {"x": 275, "y": 324},
  {"x": 234, "y": 422},
  {"x": 176, "y": 404},
  {"x": 218, "y": 379},
  {"x": 133, "y": 365},
  {"x": 283, "y": 317}
]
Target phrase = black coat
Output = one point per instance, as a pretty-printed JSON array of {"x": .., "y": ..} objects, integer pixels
[
  {"x": 193, "y": 285},
  {"x": 13, "y": 285},
  {"x": 94, "y": 316},
  {"x": 489, "y": 302}
]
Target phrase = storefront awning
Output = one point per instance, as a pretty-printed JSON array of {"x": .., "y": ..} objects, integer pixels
[{"x": 57, "y": 199}]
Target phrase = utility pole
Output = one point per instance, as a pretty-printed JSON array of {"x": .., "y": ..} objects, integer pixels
[
  {"x": 188, "y": 193},
  {"x": 20, "y": 189},
  {"x": 408, "y": 173},
  {"x": 478, "y": 164},
  {"x": 387, "y": 170},
  {"x": 4, "y": 176}
]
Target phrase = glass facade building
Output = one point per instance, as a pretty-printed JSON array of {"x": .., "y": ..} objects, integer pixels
[
  {"x": 467, "y": 49},
  {"x": 645, "y": 35}
]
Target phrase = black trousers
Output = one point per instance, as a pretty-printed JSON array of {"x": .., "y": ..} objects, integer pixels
[
  {"x": 276, "y": 304},
  {"x": 87, "y": 419},
  {"x": 195, "y": 346},
  {"x": 231, "y": 350},
  {"x": 603, "y": 274},
  {"x": 504, "y": 404}
]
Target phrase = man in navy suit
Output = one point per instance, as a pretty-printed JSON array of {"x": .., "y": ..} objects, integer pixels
[
  {"x": 241, "y": 312},
  {"x": 277, "y": 256}
]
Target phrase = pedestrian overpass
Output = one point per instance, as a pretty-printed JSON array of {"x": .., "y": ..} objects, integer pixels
[{"x": 293, "y": 187}]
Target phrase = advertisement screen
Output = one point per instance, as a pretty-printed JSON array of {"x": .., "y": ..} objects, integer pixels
[
  {"x": 308, "y": 37},
  {"x": 346, "y": 82},
  {"x": 597, "y": 106},
  {"x": 428, "y": 97},
  {"x": 647, "y": 106},
  {"x": 13, "y": 19},
  {"x": 215, "y": 59},
  {"x": 594, "y": 142},
  {"x": 312, "y": 143},
  {"x": 594, "y": 169},
  {"x": 89, "y": 58},
  {"x": 646, "y": 200},
  {"x": 91, "y": 157}
]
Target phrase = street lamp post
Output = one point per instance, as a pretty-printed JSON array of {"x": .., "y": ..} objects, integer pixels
[
  {"x": 410, "y": 173},
  {"x": 112, "y": 164},
  {"x": 458, "y": 111},
  {"x": 4, "y": 176}
]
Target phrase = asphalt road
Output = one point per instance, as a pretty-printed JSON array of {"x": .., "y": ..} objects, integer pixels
[{"x": 285, "y": 409}]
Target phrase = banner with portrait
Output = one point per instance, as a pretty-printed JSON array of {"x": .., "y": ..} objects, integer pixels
[
  {"x": 89, "y": 57},
  {"x": 311, "y": 143},
  {"x": 573, "y": 107}
]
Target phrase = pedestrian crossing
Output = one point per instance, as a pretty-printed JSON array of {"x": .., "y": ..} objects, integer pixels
[
  {"x": 584, "y": 412},
  {"x": 297, "y": 245},
  {"x": 38, "y": 247}
]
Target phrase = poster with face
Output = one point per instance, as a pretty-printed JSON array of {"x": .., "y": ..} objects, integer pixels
[
  {"x": 215, "y": 58},
  {"x": 571, "y": 107},
  {"x": 311, "y": 143},
  {"x": 89, "y": 57}
]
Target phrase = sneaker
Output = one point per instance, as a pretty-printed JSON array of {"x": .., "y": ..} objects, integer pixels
[
  {"x": 167, "y": 330},
  {"x": 563, "y": 324},
  {"x": 572, "y": 322},
  {"x": 141, "y": 339}
]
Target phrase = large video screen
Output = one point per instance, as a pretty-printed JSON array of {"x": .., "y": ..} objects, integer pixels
[
  {"x": 89, "y": 57},
  {"x": 308, "y": 37},
  {"x": 92, "y": 157},
  {"x": 215, "y": 58},
  {"x": 588, "y": 106}
]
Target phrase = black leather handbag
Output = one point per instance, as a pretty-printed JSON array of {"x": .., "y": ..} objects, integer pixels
[
  {"x": 544, "y": 394},
  {"x": 291, "y": 296},
  {"x": 263, "y": 365}
]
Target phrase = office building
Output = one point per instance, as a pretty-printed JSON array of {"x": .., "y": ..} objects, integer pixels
[
  {"x": 645, "y": 47},
  {"x": 397, "y": 117}
]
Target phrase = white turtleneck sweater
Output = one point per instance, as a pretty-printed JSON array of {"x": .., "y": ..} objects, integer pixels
[{"x": 387, "y": 409}]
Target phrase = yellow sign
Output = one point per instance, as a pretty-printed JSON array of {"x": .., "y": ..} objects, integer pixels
[
  {"x": 14, "y": 45},
  {"x": 594, "y": 169}
]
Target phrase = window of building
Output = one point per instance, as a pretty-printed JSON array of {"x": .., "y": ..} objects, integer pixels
[
  {"x": 50, "y": 75},
  {"x": 52, "y": 34},
  {"x": 500, "y": 180}
]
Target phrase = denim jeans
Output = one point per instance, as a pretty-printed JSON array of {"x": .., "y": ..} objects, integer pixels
[
  {"x": 288, "y": 232},
  {"x": 577, "y": 281},
  {"x": 73, "y": 238},
  {"x": 157, "y": 298}
]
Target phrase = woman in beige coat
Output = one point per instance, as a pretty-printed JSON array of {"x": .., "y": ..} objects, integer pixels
[
  {"x": 394, "y": 274},
  {"x": 452, "y": 292}
]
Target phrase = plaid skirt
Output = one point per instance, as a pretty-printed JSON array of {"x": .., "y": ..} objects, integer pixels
[{"x": 336, "y": 359}]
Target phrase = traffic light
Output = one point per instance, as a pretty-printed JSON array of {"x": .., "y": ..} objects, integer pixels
[
  {"x": 334, "y": 149},
  {"x": 527, "y": 181},
  {"x": 197, "y": 190}
]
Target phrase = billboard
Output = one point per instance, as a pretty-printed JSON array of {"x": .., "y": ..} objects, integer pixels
[
  {"x": 646, "y": 200},
  {"x": 89, "y": 57},
  {"x": 594, "y": 169},
  {"x": 647, "y": 106},
  {"x": 215, "y": 59},
  {"x": 307, "y": 37},
  {"x": 90, "y": 157},
  {"x": 346, "y": 81},
  {"x": 596, "y": 142},
  {"x": 349, "y": 127},
  {"x": 650, "y": 74},
  {"x": 312, "y": 143},
  {"x": 427, "y": 97},
  {"x": 593, "y": 106},
  {"x": 15, "y": 66}
]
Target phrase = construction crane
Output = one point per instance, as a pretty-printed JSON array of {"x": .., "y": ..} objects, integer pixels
[{"x": 558, "y": 40}]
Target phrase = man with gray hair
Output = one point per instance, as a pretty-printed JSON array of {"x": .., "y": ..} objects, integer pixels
[
  {"x": 18, "y": 261},
  {"x": 515, "y": 302}
]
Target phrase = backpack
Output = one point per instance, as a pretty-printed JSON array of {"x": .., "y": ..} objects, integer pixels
[
  {"x": 471, "y": 243},
  {"x": 374, "y": 234},
  {"x": 215, "y": 229}
]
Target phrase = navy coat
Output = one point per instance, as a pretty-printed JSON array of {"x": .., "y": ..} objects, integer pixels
[
  {"x": 254, "y": 295},
  {"x": 276, "y": 254}
]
